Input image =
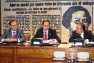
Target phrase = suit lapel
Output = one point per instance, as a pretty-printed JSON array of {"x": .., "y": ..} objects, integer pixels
[
  {"x": 42, "y": 33},
  {"x": 49, "y": 34},
  {"x": 10, "y": 33},
  {"x": 85, "y": 35},
  {"x": 17, "y": 33}
]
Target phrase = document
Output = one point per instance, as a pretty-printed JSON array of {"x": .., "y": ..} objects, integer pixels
[{"x": 65, "y": 45}]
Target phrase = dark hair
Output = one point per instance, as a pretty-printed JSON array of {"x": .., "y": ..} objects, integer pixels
[
  {"x": 68, "y": 15},
  {"x": 11, "y": 22},
  {"x": 46, "y": 21}
]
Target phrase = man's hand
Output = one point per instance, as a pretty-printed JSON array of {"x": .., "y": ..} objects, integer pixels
[{"x": 10, "y": 40}]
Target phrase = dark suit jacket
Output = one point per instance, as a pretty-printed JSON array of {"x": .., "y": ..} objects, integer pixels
[
  {"x": 87, "y": 35},
  {"x": 19, "y": 34},
  {"x": 51, "y": 34}
]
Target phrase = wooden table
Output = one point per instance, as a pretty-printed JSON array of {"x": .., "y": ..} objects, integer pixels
[{"x": 19, "y": 53}]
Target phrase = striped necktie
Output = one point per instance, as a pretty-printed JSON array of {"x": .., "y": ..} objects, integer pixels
[{"x": 45, "y": 36}]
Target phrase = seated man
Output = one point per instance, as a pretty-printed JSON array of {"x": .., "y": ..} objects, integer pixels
[
  {"x": 13, "y": 34},
  {"x": 46, "y": 33},
  {"x": 80, "y": 34}
]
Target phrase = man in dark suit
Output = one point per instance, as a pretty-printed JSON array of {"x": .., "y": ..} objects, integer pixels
[
  {"x": 46, "y": 30},
  {"x": 13, "y": 34},
  {"x": 80, "y": 34}
]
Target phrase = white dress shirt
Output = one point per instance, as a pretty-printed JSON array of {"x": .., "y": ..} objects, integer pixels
[{"x": 82, "y": 35}]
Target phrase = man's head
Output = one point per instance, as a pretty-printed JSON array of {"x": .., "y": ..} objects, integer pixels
[
  {"x": 80, "y": 27},
  {"x": 13, "y": 25},
  {"x": 46, "y": 25}
]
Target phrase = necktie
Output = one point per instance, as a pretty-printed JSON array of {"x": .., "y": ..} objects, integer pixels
[
  {"x": 14, "y": 34},
  {"x": 45, "y": 36}
]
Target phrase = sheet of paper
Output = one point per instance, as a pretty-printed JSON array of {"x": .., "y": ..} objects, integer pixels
[
  {"x": 78, "y": 44},
  {"x": 46, "y": 41},
  {"x": 65, "y": 45}
]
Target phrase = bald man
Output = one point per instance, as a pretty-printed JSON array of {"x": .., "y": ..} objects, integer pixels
[{"x": 13, "y": 34}]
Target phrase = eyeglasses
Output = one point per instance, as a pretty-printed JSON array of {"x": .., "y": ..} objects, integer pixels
[{"x": 46, "y": 25}]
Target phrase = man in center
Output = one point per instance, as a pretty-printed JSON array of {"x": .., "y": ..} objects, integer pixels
[{"x": 46, "y": 33}]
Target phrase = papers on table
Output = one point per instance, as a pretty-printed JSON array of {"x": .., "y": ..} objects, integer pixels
[
  {"x": 78, "y": 44},
  {"x": 51, "y": 41},
  {"x": 65, "y": 45},
  {"x": 89, "y": 43},
  {"x": 46, "y": 41}
]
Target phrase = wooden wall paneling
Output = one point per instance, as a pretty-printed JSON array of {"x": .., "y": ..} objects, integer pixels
[{"x": 6, "y": 54}]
